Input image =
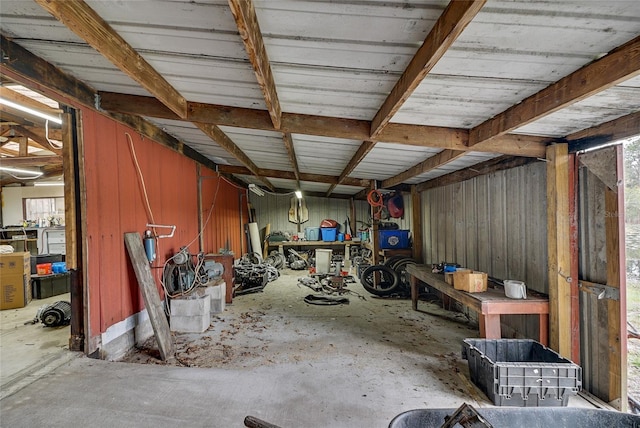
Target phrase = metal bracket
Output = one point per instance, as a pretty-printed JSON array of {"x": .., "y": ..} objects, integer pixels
[{"x": 601, "y": 290}]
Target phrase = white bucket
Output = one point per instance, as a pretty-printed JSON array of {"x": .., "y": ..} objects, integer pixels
[
  {"x": 323, "y": 260},
  {"x": 515, "y": 289}
]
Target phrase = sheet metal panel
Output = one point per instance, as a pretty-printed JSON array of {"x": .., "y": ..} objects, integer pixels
[
  {"x": 386, "y": 160},
  {"x": 466, "y": 161},
  {"x": 494, "y": 223},
  {"x": 267, "y": 148},
  {"x": 512, "y": 50},
  {"x": 322, "y": 155}
]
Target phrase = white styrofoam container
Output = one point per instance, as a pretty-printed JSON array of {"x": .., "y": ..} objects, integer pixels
[
  {"x": 191, "y": 315},
  {"x": 323, "y": 260}
]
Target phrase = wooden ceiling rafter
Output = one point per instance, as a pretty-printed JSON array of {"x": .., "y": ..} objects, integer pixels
[
  {"x": 18, "y": 98},
  {"x": 217, "y": 135},
  {"x": 38, "y": 136},
  {"x": 455, "y": 18},
  {"x": 436, "y": 161},
  {"x": 289, "y": 175},
  {"x": 31, "y": 161},
  {"x": 360, "y": 154},
  {"x": 80, "y": 18},
  {"x": 325, "y": 126},
  {"x": 620, "y": 64},
  {"x": 246, "y": 19},
  {"x": 287, "y": 139},
  {"x": 87, "y": 24}
]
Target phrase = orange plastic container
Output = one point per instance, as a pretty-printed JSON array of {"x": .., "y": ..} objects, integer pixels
[{"x": 43, "y": 269}]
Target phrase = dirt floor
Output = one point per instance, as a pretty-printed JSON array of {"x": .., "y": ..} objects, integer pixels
[{"x": 276, "y": 327}]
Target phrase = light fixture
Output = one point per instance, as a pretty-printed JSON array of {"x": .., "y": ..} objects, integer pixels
[
  {"x": 255, "y": 189},
  {"x": 48, "y": 183},
  {"x": 298, "y": 194},
  {"x": 31, "y": 111},
  {"x": 32, "y": 174}
]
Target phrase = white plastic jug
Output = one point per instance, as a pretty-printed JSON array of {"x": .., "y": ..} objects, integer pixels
[{"x": 515, "y": 289}]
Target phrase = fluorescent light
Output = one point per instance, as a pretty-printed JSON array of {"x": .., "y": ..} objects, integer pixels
[
  {"x": 255, "y": 189},
  {"x": 31, "y": 111},
  {"x": 35, "y": 174},
  {"x": 48, "y": 183},
  {"x": 298, "y": 194}
]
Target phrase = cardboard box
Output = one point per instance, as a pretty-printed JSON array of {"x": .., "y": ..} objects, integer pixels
[
  {"x": 15, "y": 264},
  {"x": 470, "y": 281},
  {"x": 15, "y": 291},
  {"x": 448, "y": 278},
  {"x": 15, "y": 280}
]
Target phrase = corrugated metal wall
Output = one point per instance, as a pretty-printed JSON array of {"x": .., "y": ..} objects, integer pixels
[
  {"x": 495, "y": 223},
  {"x": 224, "y": 230},
  {"x": 115, "y": 205},
  {"x": 274, "y": 209}
]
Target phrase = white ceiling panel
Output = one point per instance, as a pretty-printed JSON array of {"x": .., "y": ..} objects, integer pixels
[{"x": 386, "y": 160}]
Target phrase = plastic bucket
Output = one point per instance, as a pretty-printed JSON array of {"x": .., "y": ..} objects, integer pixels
[
  {"x": 323, "y": 260},
  {"x": 515, "y": 289}
]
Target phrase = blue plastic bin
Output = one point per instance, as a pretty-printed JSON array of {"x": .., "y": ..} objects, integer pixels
[
  {"x": 392, "y": 239},
  {"x": 312, "y": 233},
  {"x": 329, "y": 233}
]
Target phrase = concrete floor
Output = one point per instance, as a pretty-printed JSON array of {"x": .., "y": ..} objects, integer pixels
[{"x": 272, "y": 356}]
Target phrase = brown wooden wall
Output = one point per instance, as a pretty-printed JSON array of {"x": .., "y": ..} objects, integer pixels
[{"x": 115, "y": 205}]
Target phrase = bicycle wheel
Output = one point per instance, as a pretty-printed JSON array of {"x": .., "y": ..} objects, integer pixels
[{"x": 380, "y": 280}]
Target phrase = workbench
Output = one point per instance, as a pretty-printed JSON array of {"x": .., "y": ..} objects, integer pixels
[
  {"x": 489, "y": 304},
  {"x": 346, "y": 245}
]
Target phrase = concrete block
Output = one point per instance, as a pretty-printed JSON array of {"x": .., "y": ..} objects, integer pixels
[
  {"x": 217, "y": 294},
  {"x": 191, "y": 315}
]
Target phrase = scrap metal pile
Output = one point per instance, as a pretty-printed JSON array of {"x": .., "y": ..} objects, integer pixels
[{"x": 252, "y": 274}]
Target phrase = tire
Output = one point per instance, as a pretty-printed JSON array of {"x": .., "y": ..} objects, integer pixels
[
  {"x": 392, "y": 260},
  {"x": 400, "y": 267},
  {"x": 388, "y": 283}
]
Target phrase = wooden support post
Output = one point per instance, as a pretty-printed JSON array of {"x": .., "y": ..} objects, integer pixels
[
  {"x": 575, "y": 258},
  {"x": 150, "y": 294},
  {"x": 559, "y": 249},
  {"x": 616, "y": 310},
  {"x": 416, "y": 223}
]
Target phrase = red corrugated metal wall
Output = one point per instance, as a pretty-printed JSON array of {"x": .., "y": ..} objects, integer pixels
[
  {"x": 115, "y": 205},
  {"x": 222, "y": 202}
]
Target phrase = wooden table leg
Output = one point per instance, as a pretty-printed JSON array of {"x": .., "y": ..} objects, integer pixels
[
  {"x": 414, "y": 292},
  {"x": 544, "y": 329},
  {"x": 490, "y": 326}
]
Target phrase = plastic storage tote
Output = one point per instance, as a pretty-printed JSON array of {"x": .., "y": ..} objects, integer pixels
[
  {"x": 391, "y": 239},
  {"x": 329, "y": 233},
  {"x": 312, "y": 233},
  {"x": 521, "y": 372}
]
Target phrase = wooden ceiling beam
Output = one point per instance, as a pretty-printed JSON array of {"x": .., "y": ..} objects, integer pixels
[
  {"x": 614, "y": 130},
  {"x": 287, "y": 139},
  {"x": 455, "y": 18},
  {"x": 325, "y": 126},
  {"x": 31, "y": 161},
  {"x": 8, "y": 94},
  {"x": 38, "y": 136},
  {"x": 487, "y": 167},
  {"x": 619, "y": 65},
  {"x": 289, "y": 175},
  {"x": 217, "y": 135},
  {"x": 247, "y": 22},
  {"x": 362, "y": 151},
  {"x": 436, "y": 161},
  {"x": 90, "y": 27}
]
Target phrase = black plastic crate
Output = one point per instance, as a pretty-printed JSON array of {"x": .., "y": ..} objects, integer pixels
[
  {"x": 521, "y": 372},
  {"x": 43, "y": 286}
]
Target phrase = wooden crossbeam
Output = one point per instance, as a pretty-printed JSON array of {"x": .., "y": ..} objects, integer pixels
[
  {"x": 436, "y": 161},
  {"x": 54, "y": 133},
  {"x": 18, "y": 98},
  {"x": 446, "y": 30},
  {"x": 288, "y": 144},
  {"x": 89, "y": 26},
  {"x": 362, "y": 151},
  {"x": 289, "y": 175},
  {"x": 31, "y": 161},
  {"x": 38, "y": 135},
  {"x": 325, "y": 126},
  {"x": 217, "y": 135},
  {"x": 619, "y": 65},
  {"x": 247, "y": 22},
  {"x": 617, "y": 129}
]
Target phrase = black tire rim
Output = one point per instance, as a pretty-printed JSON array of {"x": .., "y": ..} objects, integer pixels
[{"x": 380, "y": 280}]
